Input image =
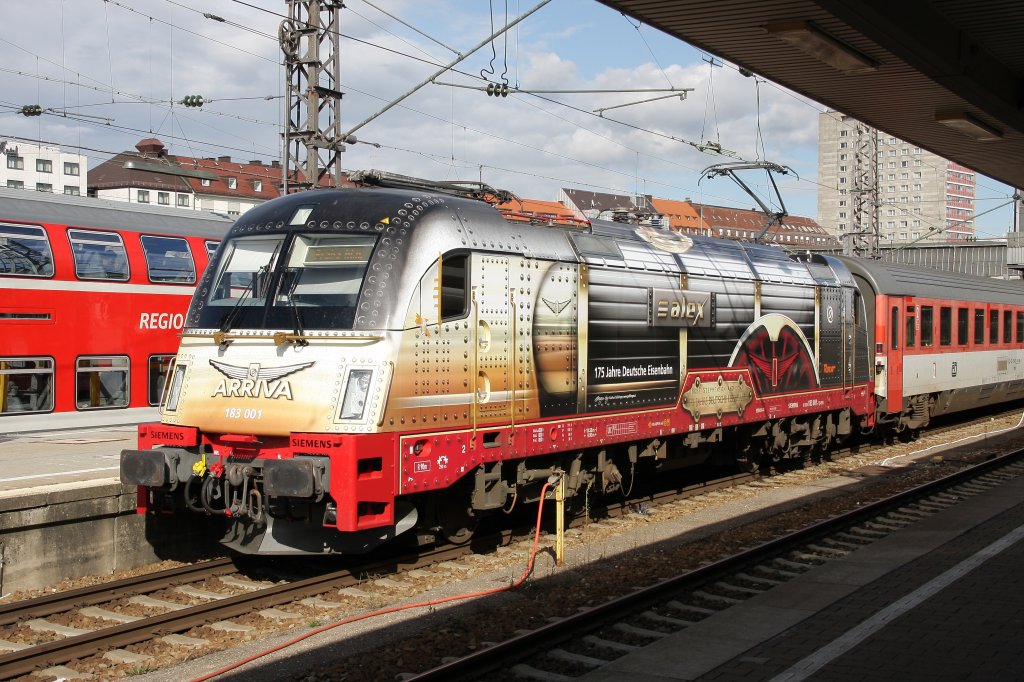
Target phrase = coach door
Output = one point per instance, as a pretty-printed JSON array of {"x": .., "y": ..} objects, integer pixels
[
  {"x": 901, "y": 331},
  {"x": 493, "y": 313}
]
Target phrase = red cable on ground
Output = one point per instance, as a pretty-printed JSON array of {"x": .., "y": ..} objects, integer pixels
[{"x": 395, "y": 609}]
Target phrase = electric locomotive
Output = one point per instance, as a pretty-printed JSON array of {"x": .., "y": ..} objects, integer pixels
[{"x": 363, "y": 363}]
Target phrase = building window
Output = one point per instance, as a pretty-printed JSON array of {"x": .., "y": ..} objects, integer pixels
[
  {"x": 71, "y": 168},
  {"x": 205, "y": 182},
  {"x": 183, "y": 200},
  {"x": 44, "y": 166},
  {"x": 25, "y": 252},
  {"x": 44, "y": 187},
  {"x": 98, "y": 255},
  {"x": 28, "y": 385},
  {"x": 163, "y": 198},
  {"x": 257, "y": 185},
  {"x": 16, "y": 184},
  {"x": 72, "y": 190},
  {"x": 168, "y": 259},
  {"x": 143, "y": 196},
  {"x": 101, "y": 382},
  {"x": 15, "y": 162},
  {"x": 232, "y": 183}
]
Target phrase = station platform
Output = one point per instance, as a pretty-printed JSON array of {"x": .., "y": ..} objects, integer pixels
[
  {"x": 941, "y": 599},
  {"x": 86, "y": 455},
  {"x": 64, "y": 512}
]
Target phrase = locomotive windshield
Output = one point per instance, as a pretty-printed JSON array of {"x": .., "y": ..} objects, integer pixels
[{"x": 287, "y": 281}]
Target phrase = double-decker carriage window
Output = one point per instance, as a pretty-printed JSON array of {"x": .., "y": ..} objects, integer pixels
[
  {"x": 25, "y": 251},
  {"x": 168, "y": 259},
  {"x": 101, "y": 382},
  {"x": 993, "y": 326},
  {"x": 962, "y": 326},
  {"x": 911, "y": 335},
  {"x": 26, "y": 385},
  {"x": 927, "y": 326},
  {"x": 1007, "y": 327},
  {"x": 979, "y": 326},
  {"x": 159, "y": 366},
  {"x": 454, "y": 286},
  {"x": 945, "y": 326},
  {"x": 98, "y": 255}
]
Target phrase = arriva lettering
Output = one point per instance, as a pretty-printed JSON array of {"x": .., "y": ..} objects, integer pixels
[
  {"x": 161, "y": 321},
  {"x": 253, "y": 388}
]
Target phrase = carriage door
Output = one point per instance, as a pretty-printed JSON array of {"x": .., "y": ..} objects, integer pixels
[
  {"x": 901, "y": 331},
  {"x": 493, "y": 310}
]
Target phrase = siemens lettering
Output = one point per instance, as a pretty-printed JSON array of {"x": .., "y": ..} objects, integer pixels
[{"x": 161, "y": 321}]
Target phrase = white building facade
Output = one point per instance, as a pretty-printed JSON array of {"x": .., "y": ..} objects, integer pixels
[
  {"x": 42, "y": 167},
  {"x": 918, "y": 196}
]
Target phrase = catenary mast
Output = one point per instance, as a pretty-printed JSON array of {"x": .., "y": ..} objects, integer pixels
[{"x": 313, "y": 141}]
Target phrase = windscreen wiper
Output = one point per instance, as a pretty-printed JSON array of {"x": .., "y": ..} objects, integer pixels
[{"x": 296, "y": 313}]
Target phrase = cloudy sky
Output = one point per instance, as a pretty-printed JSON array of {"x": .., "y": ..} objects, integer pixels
[{"x": 115, "y": 67}]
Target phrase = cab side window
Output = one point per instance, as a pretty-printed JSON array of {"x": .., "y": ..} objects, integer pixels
[{"x": 454, "y": 286}]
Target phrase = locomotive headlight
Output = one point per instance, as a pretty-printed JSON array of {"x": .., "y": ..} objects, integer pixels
[
  {"x": 353, "y": 405},
  {"x": 174, "y": 391}
]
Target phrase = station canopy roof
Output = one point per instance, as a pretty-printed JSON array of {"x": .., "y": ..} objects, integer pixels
[{"x": 945, "y": 75}]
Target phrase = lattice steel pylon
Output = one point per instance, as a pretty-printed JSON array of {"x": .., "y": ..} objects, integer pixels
[
  {"x": 863, "y": 238},
  {"x": 313, "y": 141}
]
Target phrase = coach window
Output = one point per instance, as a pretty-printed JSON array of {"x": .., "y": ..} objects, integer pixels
[
  {"x": 101, "y": 382},
  {"x": 911, "y": 335},
  {"x": 98, "y": 255},
  {"x": 159, "y": 366},
  {"x": 894, "y": 327},
  {"x": 1020, "y": 327},
  {"x": 26, "y": 385},
  {"x": 962, "y": 326},
  {"x": 945, "y": 326},
  {"x": 211, "y": 248},
  {"x": 25, "y": 250},
  {"x": 927, "y": 326},
  {"x": 1007, "y": 327},
  {"x": 454, "y": 286},
  {"x": 979, "y": 327},
  {"x": 168, "y": 259},
  {"x": 993, "y": 326}
]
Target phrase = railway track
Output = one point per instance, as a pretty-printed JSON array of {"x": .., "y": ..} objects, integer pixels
[
  {"x": 218, "y": 609},
  {"x": 580, "y": 643}
]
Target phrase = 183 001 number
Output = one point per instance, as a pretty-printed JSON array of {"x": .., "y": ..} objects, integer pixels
[{"x": 239, "y": 413}]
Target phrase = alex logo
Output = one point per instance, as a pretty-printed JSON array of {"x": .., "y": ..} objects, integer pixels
[
  {"x": 684, "y": 309},
  {"x": 680, "y": 308},
  {"x": 255, "y": 381}
]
